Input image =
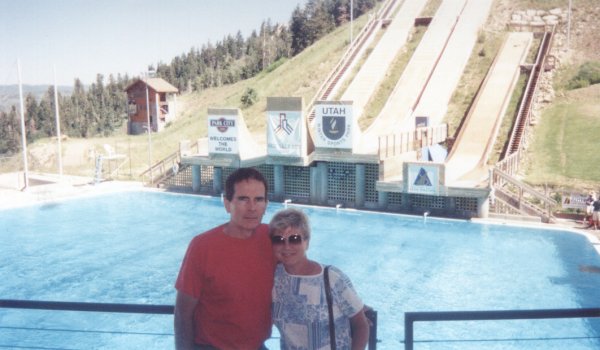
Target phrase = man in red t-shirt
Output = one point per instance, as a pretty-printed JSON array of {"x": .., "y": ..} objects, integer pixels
[{"x": 225, "y": 281}]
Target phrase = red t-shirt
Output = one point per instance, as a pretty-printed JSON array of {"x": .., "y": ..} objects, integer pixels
[{"x": 232, "y": 279}]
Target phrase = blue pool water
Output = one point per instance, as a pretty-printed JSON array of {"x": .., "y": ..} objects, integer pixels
[{"x": 127, "y": 248}]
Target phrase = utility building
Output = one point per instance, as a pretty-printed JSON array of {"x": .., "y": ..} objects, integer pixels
[{"x": 153, "y": 95}]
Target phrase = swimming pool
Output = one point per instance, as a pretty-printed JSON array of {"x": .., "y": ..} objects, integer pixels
[{"x": 127, "y": 248}]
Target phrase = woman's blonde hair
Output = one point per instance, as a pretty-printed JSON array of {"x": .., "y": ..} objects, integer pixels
[{"x": 290, "y": 217}]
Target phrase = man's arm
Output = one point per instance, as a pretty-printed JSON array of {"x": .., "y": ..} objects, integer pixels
[
  {"x": 184, "y": 321},
  {"x": 360, "y": 330}
]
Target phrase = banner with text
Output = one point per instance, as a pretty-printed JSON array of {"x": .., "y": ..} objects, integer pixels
[
  {"x": 285, "y": 133},
  {"x": 222, "y": 134},
  {"x": 334, "y": 124}
]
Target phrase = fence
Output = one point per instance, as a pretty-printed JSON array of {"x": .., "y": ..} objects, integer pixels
[
  {"x": 411, "y": 317},
  {"x": 137, "y": 309}
]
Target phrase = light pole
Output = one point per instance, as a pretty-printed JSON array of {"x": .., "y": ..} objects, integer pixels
[
  {"x": 351, "y": 21},
  {"x": 569, "y": 27},
  {"x": 23, "y": 130},
  {"x": 149, "y": 128},
  {"x": 58, "y": 136}
]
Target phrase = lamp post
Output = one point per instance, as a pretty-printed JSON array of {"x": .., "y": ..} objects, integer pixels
[
  {"x": 149, "y": 128},
  {"x": 23, "y": 130},
  {"x": 58, "y": 136},
  {"x": 569, "y": 27},
  {"x": 351, "y": 22}
]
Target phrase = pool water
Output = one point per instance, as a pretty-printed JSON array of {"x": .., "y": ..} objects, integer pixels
[{"x": 127, "y": 248}]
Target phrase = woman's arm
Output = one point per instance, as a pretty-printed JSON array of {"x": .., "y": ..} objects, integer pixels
[{"x": 360, "y": 330}]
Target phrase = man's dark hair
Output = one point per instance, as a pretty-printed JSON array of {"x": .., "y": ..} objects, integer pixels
[{"x": 243, "y": 174}]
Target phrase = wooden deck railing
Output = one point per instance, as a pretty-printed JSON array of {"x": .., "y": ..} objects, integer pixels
[
  {"x": 392, "y": 145},
  {"x": 520, "y": 196}
]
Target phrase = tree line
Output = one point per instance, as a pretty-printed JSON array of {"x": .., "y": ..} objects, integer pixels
[{"x": 101, "y": 109}]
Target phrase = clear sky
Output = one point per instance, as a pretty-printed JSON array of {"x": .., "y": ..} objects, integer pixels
[{"x": 81, "y": 38}]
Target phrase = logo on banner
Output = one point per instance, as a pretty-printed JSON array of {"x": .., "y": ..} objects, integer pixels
[
  {"x": 334, "y": 127},
  {"x": 422, "y": 179},
  {"x": 222, "y": 124},
  {"x": 284, "y": 135},
  {"x": 284, "y": 126}
]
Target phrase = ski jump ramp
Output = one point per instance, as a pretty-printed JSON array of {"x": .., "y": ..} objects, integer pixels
[
  {"x": 373, "y": 71},
  {"x": 444, "y": 80},
  {"x": 415, "y": 77},
  {"x": 466, "y": 164}
]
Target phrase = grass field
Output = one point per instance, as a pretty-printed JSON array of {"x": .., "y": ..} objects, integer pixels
[{"x": 565, "y": 149}]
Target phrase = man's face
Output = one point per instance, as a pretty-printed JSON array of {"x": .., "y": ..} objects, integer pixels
[{"x": 247, "y": 206}]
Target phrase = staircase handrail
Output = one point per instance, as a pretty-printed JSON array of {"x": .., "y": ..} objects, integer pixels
[
  {"x": 510, "y": 164},
  {"x": 532, "y": 85},
  {"x": 523, "y": 206},
  {"x": 173, "y": 158},
  {"x": 500, "y": 178}
]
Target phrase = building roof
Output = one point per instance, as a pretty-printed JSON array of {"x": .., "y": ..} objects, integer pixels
[{"x": 157, "y": 84}]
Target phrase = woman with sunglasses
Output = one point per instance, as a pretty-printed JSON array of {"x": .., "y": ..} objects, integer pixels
[{"x": 300, "y": 309}]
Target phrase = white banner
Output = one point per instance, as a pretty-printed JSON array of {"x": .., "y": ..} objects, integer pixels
[
  {"x": 334, "y": 125},
  {"x": 284, "y": 133},
  {"x": 423, "y": 179},
  {"x": 574, "y": 201},
  {"x": 222, "y": 134}
]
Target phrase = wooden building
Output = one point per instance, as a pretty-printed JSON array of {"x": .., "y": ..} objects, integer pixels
[{"x": 162, "y": 98}]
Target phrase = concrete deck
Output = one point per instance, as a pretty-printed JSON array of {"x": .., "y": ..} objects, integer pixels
[{"x": 50, "y": 187}]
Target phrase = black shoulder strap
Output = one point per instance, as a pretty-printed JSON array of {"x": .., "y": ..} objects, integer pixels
[{"x": 330, "y": 307}]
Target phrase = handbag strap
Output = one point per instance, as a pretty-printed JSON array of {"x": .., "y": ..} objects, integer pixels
[{"x": 330, "y": 307}]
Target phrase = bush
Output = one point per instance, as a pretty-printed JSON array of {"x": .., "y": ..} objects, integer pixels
[
  {"x": 249, "y": 97},
  {"x": 588, "y": 74}
]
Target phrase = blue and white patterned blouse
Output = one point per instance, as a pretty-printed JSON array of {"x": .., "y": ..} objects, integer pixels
[{"x": 300, "y": 309}]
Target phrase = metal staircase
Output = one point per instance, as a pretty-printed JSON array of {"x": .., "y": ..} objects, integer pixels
[
  {"x": 510, "y": 195},
  {"x": 520, "y": 129}
]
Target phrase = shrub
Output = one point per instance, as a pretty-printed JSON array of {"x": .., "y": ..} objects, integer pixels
[
  {"x": 588, "y": 74},
  {"x": 249, "y": 97}
]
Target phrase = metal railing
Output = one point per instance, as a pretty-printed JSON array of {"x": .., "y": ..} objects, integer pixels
[
  {"x": 137, "y": 309},
  {"x": 411, "y": 317},
  {"x": 163, "y": 168},
  {"x": 523, "y": 198}
]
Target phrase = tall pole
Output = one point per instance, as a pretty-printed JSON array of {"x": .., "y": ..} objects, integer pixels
[
  {"x": 58, "y": 136},
  {"x": 149, "y": 127},
  {"x": 569, "y": 27},
  {"x": 23, "y": 131},
  {"x": 351, "y": 22}
]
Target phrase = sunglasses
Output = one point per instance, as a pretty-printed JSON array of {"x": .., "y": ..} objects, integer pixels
[{"x": 293, "y": 239}]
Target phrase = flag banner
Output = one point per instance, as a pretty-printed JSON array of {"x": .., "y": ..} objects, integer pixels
[
  {"x": 334, "y": 125},
  {"x": 284, "y": 133},
  {"x": 222, "y": 134}
]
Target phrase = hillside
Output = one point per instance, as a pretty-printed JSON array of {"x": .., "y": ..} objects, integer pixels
[{"x": 302, "y": 76}]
